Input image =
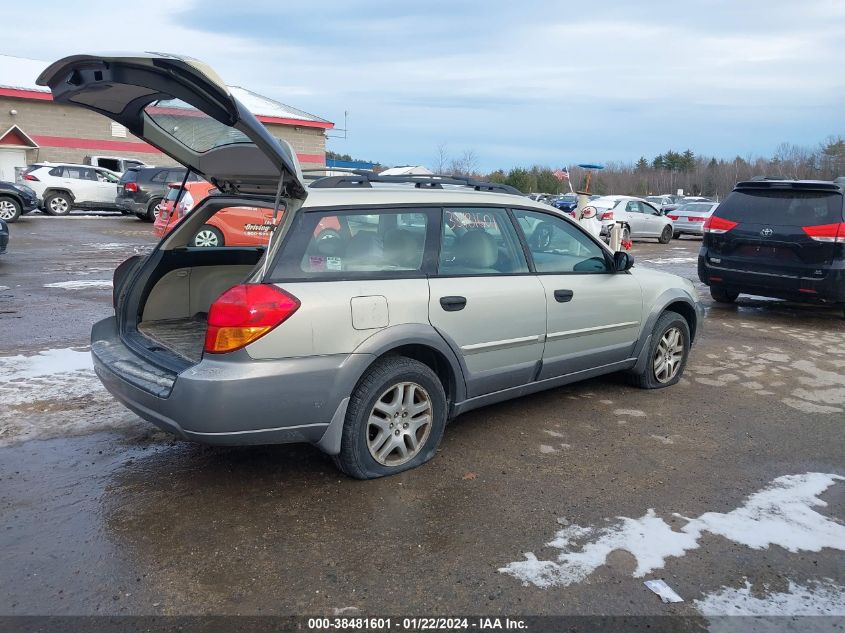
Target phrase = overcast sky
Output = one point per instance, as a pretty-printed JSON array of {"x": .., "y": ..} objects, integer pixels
[{"x": 518, "y": 82}]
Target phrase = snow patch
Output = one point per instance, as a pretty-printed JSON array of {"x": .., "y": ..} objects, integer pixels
[
  {"x": 815, "y": 598},
  {"x": 81, "y": 284},
  {"x": 52, "y": 393},
  {"x": 780, "y": 514},
  {"x": 670, "y": 260},
  {"x": 633, "y": 413}
]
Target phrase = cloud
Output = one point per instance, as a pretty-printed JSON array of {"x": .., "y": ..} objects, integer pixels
[{"x": 527, "y": 82}]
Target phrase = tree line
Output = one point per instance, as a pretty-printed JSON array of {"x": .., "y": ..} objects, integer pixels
[{"x": 666, "y": 172}]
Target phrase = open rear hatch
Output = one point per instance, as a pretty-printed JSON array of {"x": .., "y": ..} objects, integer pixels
[{"x": 180, "y": 106}]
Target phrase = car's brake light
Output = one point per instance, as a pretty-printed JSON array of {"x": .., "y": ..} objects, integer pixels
[
  {"x": 717, "y": 225},
  {"x": 693, "y": 218},
  {"x": 130, "y": 187},
  {"x": 245, "y": 313},
  {"x": 826, "y": 232},
  {"x": 607, "y": 215},
  {"x": 673, "y": 217},
  {"x": 31, "y": 178}
]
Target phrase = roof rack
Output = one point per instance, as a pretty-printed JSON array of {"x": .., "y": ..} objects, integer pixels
[{"x": 353, "y": 178}]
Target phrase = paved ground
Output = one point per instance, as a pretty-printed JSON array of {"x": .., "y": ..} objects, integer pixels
[{"x": 726, "y": 486}]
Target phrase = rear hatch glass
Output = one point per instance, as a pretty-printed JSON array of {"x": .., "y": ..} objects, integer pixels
[{"x": 770, "y": 233}]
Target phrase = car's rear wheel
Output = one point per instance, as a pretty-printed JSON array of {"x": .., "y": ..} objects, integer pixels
[
  {"x": 10, "y": 210},
  {"x": 394, "y": 421},
  {"x": 667, "y": 353},
  {"x": 150, "y": 216},
  {"x": 723, "y": 295},
  {"x": 666, "y": 235},
  {"x": 208, "y": 237},
  {"x": 58, "y": 203}
]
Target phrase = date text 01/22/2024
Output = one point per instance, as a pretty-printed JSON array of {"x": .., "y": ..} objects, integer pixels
[{"x": 416, "y": 624}]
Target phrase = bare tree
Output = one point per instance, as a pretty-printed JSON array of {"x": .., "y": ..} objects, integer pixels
[{"x": 441, "y": 159}]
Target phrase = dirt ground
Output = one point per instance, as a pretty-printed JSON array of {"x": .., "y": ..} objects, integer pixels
[{"x": 729, "y": 486}]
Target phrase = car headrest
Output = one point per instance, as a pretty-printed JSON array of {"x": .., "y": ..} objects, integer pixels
[
  {"x": 478, "y": 249},
  {"x": 364, "y": 245},
  {"x": 401, "y": 248}
]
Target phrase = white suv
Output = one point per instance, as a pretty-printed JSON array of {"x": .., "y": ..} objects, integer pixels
[
  {"x": 360, "y": 313},
  {"x": 64, "y": 186}
]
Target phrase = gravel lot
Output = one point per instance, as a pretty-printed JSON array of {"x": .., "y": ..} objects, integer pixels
[{"x": 728, "y": 486}]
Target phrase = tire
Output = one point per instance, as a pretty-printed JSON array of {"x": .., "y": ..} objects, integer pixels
[
  {"x": 676, "y": 236},
  {"x": 58, "y": 203},
  {"x": 671, "y": 326},
  {"x": 208, "y": 237},
  {"x": 666, "y": 235},
  {"x": 721, "y": 294},
  {"x": 150, "y": 216},
  {"x": 10, "y": 209},
  {"x": 364, "y": 451}
]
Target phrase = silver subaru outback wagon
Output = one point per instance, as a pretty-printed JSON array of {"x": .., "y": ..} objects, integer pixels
[{"x": 353, "y": 316}]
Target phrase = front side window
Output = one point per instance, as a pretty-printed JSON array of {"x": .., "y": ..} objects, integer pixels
[
  {"x": 479, "y": 241},
  {"x": 557, "y": 246},
  {"x": 633, "y": 207},
  {"x": 388, "y": 243}
]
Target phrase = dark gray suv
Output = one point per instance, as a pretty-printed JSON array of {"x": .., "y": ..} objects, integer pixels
[{"x": 142, "y": 188}]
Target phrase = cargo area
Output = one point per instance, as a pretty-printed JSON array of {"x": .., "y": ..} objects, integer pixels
[{"x": 184, "y": 337}]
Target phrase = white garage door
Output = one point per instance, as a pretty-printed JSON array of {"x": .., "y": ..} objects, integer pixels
[{"x": 9, "y": 159}]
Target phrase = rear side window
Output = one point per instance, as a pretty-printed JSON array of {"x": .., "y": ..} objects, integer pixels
[
  {"x": 160, "y": 176},
  {"x": 331, "y": 244},
  {"x": 782, "y": 207},
  {"x": 479, "y": 241}
]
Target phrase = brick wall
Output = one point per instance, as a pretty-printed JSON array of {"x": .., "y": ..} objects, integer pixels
[{"x": 45, "y": 118}]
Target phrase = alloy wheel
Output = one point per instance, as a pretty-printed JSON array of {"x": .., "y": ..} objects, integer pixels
[
  {"x": 7, "y": 210},
  {"x": 669, "y": 355},
  {"x": 59, "y": 205},
  {"x": 399, "y": 424}
]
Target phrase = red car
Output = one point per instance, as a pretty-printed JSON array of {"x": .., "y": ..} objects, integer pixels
[{"x": 233, "y": 226}]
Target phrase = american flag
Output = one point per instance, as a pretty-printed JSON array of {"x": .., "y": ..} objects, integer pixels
[{"x": 561, "y": 174}]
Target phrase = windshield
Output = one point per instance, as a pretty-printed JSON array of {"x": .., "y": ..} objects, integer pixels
[
  {"x": 191, "y": 127},
  {"x": 785, "y": 207}
]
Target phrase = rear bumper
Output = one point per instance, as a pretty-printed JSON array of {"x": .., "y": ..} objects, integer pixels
[
  {"x": 128, "y": 204},
  {"x": 235, "y": 401},
  {"x": 688, "y": 228},
  {"x": 801, "y": 286}
]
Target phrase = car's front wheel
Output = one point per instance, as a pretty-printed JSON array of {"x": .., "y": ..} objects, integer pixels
[
  {"x": 58, "y": 203},
  {"x": 667, "y": 353},
  {"x": 10, "y": 210},
  {"x": 394, "y": 421},
  {"x": 666, "y": 235}
]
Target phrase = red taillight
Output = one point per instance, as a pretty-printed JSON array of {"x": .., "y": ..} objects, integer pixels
[
  {"x": 717, "y": 225},
  {"x": 130, "y": 187},
  {"x": 607, "y": 215},
  {"x": 245, "y": 313},
  {"x": 826, "y": 232},
  {"x": 673, "y": 217},
  {"x": 31, "y": 178},
  {"x": 693, "y": 218}
]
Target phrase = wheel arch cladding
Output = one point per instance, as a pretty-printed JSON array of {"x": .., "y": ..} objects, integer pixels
[
  {"x": 688, "y": 312},
  {"x": 424, "y": 344}
]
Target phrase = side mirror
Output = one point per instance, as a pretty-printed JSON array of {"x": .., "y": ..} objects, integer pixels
[{"x": 623, "y": 261}]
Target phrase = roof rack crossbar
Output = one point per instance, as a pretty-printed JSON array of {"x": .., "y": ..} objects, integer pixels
[{"x": 363, "y": 178}]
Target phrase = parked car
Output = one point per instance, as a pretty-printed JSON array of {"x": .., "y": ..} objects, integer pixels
[
  {"x": 689, "y": 218},
  {"x": 566, "y": 202},
  {"x": 777, "y": 238},
  {"x": 367, "y": 343},
  {"x": 15, "y": 200},
  {"x": 639, "y": 218},
  {"x": 142, "y": 188},
  {"x": 661, "y": 201},
  {"x": 117, "y": 164},
  {"x": 63, "y": 186},
  {"x": 4, "y": 236}
]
